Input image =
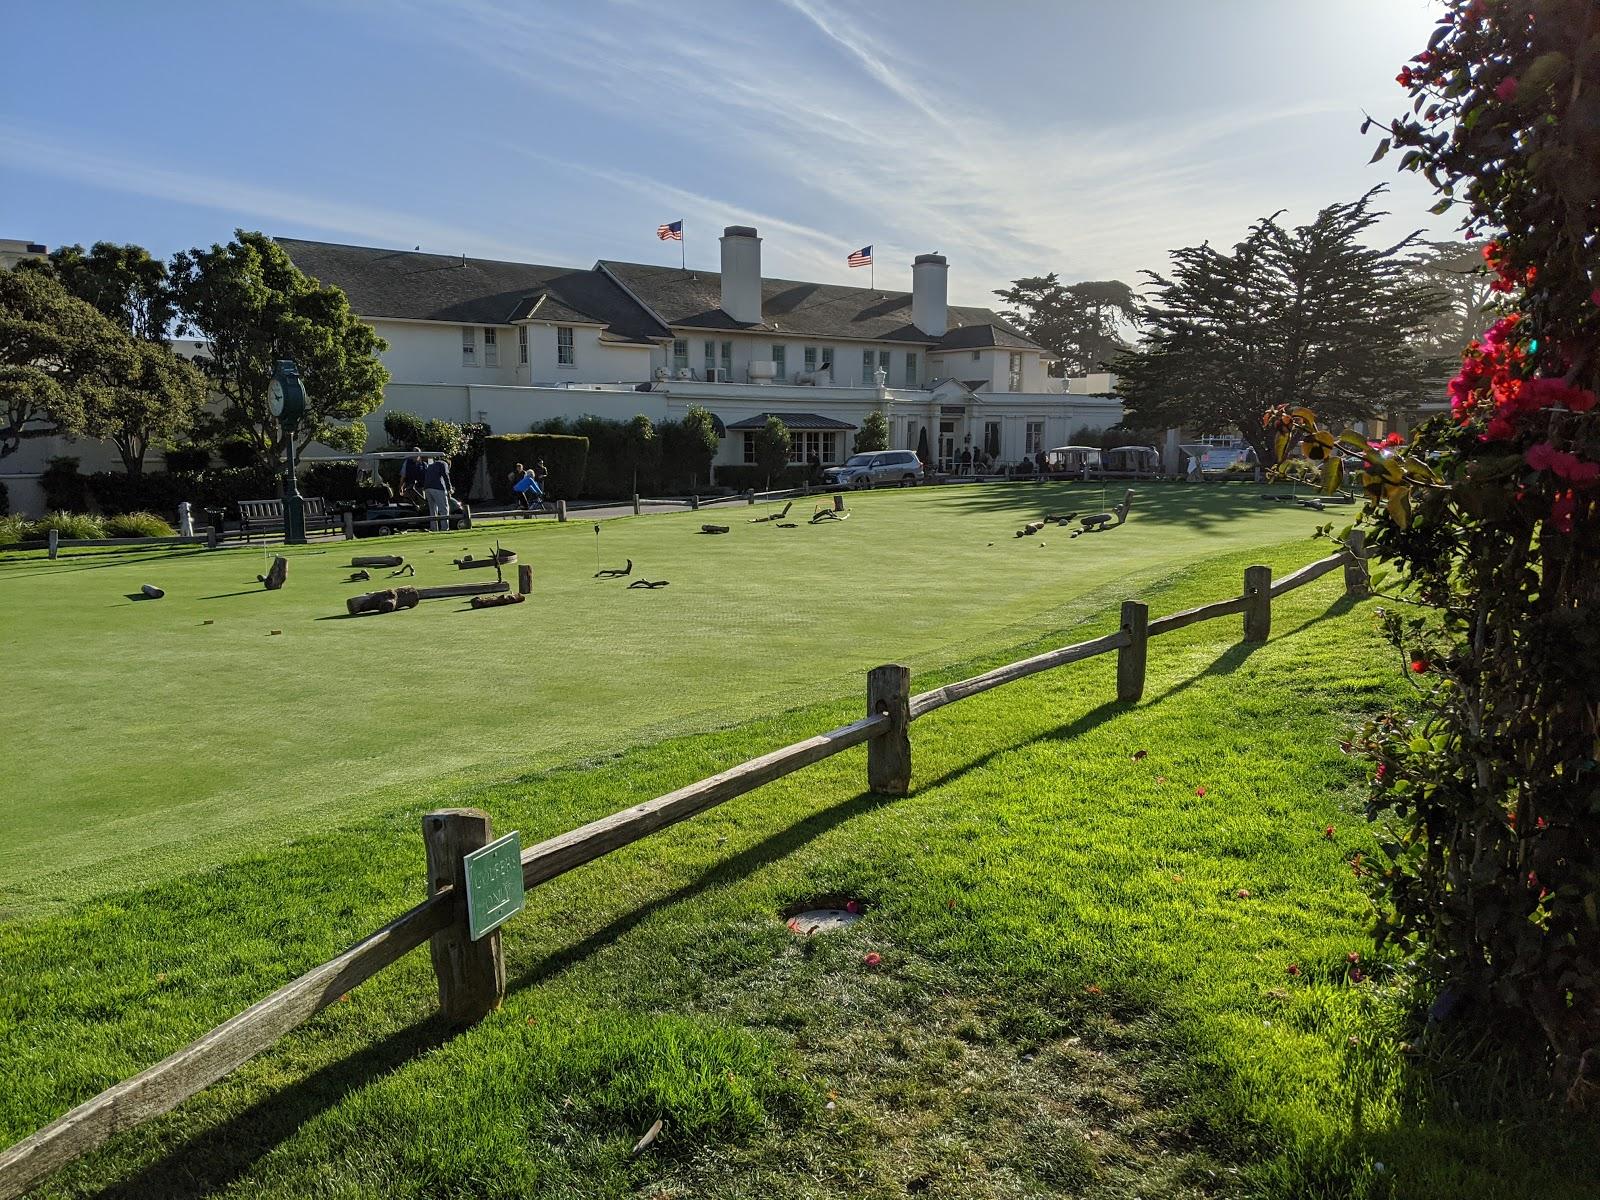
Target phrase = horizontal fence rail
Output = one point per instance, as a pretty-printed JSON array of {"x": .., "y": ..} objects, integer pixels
[{"x": 472, "y": 974}]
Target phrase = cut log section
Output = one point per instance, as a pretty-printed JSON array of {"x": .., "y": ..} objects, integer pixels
[
  {"x": 378, "y": 560},
  {"x": 497, "y": 601},
  {"x": 386, "y": 601},
  {"x": 460, "y": 589},
  {"x": 714, "y": 528},
  {"x": 503, "y": 557}
]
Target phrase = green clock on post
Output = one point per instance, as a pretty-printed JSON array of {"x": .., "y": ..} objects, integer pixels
[{"x": 286, "y": 398}]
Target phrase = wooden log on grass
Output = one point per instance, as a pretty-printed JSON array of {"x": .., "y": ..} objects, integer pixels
[
  {"x": 174, "y": 1079},
  {"x": 387, "y": 601},
  {"x": 525, "y": 579},
  {"x": 377, "y": 560},
  {"x": 462, "y": 589}
]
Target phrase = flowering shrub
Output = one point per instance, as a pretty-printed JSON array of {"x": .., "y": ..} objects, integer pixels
[{"x": 1489, "y": 797}]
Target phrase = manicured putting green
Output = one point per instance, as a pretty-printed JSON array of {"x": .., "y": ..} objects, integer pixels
[{"x": 153, "y": 737}]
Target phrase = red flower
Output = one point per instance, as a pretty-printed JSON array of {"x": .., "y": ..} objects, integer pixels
[
  {"x": 1294, "y": 968},
  {"x": 1500, "y": 430},
  {"x": 1353, "y": 957},
  {"x": 1533, "y": 879},
  {"x": 1355, "y": 975},
  {"x": 1419, "y": 666},
  {"x": 1553, "y": 393},
  {"x": 1395, "y": 439},
  {"x": 1328, "y": 833},
  {"x": 1199, "y": 791},
  {"x": 1540, "y": 455},
  {"x": 1382, "y": 771},
  {"x": 872, "y": 959},
  {"x": 1594, "y": 297},
  {"x": 1424, "y": 58},
  {"x": 1506, "y": 90},
  {"x": 1405, "y": 77},
  {"x": 1541, "y": 823}
]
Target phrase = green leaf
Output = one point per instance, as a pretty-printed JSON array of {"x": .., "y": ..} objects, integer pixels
[
  {"x": 1383, "y": 148},
  {"x": 1332, "y": 475},
  {"x": 1441, "y": 206}
]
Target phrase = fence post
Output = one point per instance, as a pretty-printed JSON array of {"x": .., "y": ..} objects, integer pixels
[
  {"x": 349, "y": 525},
  {"x": 561, "y": 511},
  {"x": 889, "y": 754},
  {"x": 1257, "y": 604},
  {"x": 472, "y": 975},
  {"x": 212, "y": 537},
  {"x": 636, "y": 504},
  {"x": 53, "y": 539},
  {"x": 524, "y": 579},
  {"x": 694, "y": 503},
  {"x": 1131, "y": 658},
  {"x": 1355, "y": 566}
]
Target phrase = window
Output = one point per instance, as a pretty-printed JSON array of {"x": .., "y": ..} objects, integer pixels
[
  {"x": 680, "y": 354},
  {"x": 522, "y": 344},
  {"x": 777, "y": 361},
  {"x": 491, "y": 348},
  {"x": 813, "y": 441},
  {"x": 711, "y": 359},
  {"x": 1035, "y": 438},
  {"x": 867, "y": 365},
  {"x": 727, "y": 360},
  {"x": 975, "y": 356},
  {"x": 883, "y": 361},
  {"x": 811, "y": 359},
  {"x": 749, "y": 447},
  {"x": 911, "y": 370},
  {"x": 991, "y": 438},
  {"x": 566, "y": 349},
  {"x": 1015, "y": 374},
  {"x": 469, "y": 346}
]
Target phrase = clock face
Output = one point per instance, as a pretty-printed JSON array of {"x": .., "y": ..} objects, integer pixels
[{"x": 275, "y": 398}]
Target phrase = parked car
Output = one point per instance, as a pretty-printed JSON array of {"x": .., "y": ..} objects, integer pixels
[
  {"x": 882, "y": 466},
  {"x": 1135, "y": 461}
]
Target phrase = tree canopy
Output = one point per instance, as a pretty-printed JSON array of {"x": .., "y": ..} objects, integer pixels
[
  {"x": 1080, "y": 323},
  {"x": 58, "y": 356},
  {"x": 774, "y": 444},
  {"x": 158, "y": 397},
  {"x": 874, "y": 433},
  {"x": 1308, "y": 316},
  {"x": 253, "y": 306}
]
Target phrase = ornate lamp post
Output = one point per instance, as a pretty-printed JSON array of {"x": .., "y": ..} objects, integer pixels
[{"x": 287, "y": 400}]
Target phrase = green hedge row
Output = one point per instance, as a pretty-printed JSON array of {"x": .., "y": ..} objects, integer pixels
[{"x": 566, "y": 457}]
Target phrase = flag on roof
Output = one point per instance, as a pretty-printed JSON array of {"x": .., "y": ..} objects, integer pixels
[
  {"x": 861, "y": 258},
  {"x": 670, "y": 233}
]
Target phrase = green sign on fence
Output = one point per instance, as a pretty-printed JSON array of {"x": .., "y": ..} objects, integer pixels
[{"x": 494, "y": 884}]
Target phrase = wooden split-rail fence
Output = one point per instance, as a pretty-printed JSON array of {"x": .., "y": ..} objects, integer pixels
[{"x": 471, "y": 974}]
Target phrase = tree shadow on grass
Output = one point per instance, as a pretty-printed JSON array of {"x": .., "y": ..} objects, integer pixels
[{"x": 212, "y": 1160}]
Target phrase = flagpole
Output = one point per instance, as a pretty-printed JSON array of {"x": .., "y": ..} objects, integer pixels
[{"x": 683, "y": 259}]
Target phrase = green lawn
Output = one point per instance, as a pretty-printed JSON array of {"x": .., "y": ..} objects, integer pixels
[
  {"x": 153, "y": 737},
  {"x": 1083, "y": 987}
]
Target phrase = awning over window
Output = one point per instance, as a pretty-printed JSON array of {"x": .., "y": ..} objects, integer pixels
[{"x": 792, "y": 420}]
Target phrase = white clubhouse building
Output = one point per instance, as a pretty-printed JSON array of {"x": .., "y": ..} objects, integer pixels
[{"x": 512, "y": 344}]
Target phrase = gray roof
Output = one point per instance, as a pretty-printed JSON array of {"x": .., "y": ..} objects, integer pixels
[
  {"x": 693, "y": 300},
  {"x": 471, "y": 291},
  {"x": 793, "y": 420}
]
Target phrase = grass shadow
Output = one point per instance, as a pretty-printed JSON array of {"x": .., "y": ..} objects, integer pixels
[
  {"x": 768, "y": 850},
  {"x": 209, "y": 1162}
]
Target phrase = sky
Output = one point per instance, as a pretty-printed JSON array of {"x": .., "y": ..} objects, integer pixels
[{"x": 1016, "y": 137}]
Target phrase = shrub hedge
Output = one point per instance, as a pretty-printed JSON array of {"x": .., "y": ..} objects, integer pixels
[
  {"x": 565, "y": 455},
  {"x": 746, "y": 476},
  {"x": 65, "y": 488},
  {"x": 137, "y": 524}
]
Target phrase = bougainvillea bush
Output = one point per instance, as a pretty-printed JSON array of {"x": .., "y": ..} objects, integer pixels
[{"x": 1488, "y": 521}]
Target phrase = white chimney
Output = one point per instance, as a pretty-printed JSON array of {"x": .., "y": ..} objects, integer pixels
[
  {"x": 930, "y": 294},
  {"x": 741, "y": 274}
]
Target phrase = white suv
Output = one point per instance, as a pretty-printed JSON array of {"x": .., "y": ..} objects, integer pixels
[{"x": 882, "y": 466}]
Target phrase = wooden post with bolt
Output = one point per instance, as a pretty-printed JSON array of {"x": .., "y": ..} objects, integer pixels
[
  {"x": 472, "y": 975},
  {"x": 636, "y": 504},
  {"x": 561, "y": 511},
  {"x": 889, "y": 754},
  {"x": 1355, "y": 567},
  {"x": 524, "y": 579},
  {"x": 1131, "y": 658},
  {"x": 349, "y": 526},
  {"x": 1257, "y": 604},
  {"x": 53, "y": 541}
]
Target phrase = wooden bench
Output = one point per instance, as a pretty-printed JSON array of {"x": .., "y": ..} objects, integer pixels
[{"x": 267, "y": 515}]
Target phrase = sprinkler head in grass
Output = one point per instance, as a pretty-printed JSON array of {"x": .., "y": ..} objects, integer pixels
[{"x": 822, "y": 914}]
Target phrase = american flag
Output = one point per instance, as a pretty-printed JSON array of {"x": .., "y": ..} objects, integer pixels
[
  {"x": 861, "y": 258},
  {"x": 670, "y": 233}
]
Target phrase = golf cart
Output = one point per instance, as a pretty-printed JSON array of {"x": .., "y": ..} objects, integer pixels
[{"x": 403, "y": 511}]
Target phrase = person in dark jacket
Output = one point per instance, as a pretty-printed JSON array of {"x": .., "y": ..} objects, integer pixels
[{"x": 436, "y": 483}]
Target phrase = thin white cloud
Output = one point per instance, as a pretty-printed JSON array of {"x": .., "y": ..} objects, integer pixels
[{"x": 244, "y": 201}]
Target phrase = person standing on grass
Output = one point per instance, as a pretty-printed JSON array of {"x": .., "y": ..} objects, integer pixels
[
  {"x": 520, "y": 478},
  {"x": 411, "y": 473},
  {"x": 436, "y": 482}
]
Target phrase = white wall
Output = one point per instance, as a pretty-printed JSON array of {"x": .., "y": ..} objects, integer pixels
[{"x": 845, "y": 356}]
